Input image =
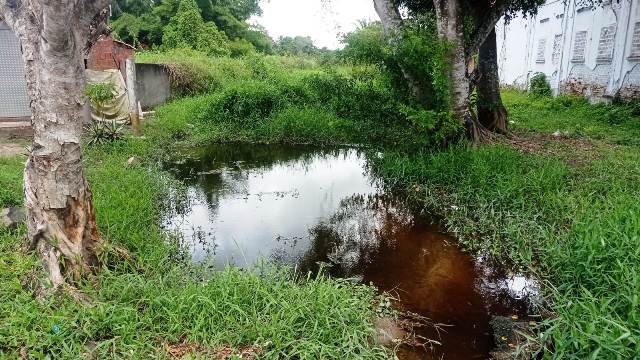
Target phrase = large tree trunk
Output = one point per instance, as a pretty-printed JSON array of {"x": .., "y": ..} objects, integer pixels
[
  {"x": 450, "y": 28},
  {"x": 61, "y": 218},
  {"x": 491, "y": 112},
  {"x": 392, "y": 26}
]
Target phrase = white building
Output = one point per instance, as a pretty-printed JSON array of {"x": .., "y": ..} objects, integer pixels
[{"x": 594, "y": 51}]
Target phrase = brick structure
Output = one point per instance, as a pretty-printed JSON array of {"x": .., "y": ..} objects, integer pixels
[{"x": 108, "y": 53}]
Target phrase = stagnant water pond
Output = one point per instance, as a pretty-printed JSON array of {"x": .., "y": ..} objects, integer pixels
[{"x": 307, "y": 206}]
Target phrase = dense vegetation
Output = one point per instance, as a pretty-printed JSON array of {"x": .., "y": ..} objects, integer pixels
[
  {"x": 558, "y": 199},
  {"x": 564, "y": 207},
  {"x": 154, "y": 301},
  {"x": 290, "y": 99}
]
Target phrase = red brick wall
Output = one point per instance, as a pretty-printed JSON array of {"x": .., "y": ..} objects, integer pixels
[{"x": 109, "y": 54}]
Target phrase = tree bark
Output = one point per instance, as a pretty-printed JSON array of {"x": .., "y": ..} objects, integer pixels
[
  {"x": 392, "y": 26},
  {"x": 450, "y": 28},
  {"x": 61, "y": 218},
  {"x": 491, "y": 112}
]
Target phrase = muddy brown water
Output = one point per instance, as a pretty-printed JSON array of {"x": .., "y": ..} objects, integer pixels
[{"x": 306, "y": 206}]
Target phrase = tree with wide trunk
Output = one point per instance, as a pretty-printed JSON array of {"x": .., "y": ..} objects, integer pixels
[
  {"x": 449, "y": 15},
  {"x": 491, "y": 111},
  {"x": 60, "y": 215},
  {"x": 492, "y": 116}
]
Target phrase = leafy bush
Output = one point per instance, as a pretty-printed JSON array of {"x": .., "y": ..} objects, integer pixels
[
  {"x": 188, "y": 30},
  {"x": 100, "y": 132},
  {"x": 245, "y": 102},
  {"x": 99, "y": 94},
  {"x": 539, "y": 86},
  {"x": 418, "y": 52},
  {"x": 247, "y": 93}
]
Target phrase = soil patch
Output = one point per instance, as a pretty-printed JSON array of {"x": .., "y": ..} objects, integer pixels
[{"x": 13, "y": 147}]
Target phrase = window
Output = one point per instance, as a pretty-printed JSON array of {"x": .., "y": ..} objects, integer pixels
[
  {"x": 557, "y": 49},
  {"x": 605, "y": 45},
  {"x": 579, "y": 46},
  {"x": 635, "y": 42},
  {"x": 542, "y": 43}
]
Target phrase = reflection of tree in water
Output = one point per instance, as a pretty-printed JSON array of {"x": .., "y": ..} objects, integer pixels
[
  {"x": 220, "y": 170},
  {"x": 360, "y": 228},
  {"x": 235, "y": 157}
]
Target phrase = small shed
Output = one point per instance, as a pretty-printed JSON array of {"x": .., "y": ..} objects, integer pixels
[{"x": 108, "y": 53}]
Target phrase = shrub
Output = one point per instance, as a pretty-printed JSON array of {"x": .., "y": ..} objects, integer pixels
[
  {"x": 188, "y": 30},
  {"x": 246, "y": 102},
  {"x": 539, "y": 86}
]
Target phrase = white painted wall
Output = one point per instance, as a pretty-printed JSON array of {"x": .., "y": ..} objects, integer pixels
[{"x": 526, "y": 46}]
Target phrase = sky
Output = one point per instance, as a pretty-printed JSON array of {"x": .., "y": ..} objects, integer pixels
[{"x": 322, "y": 20}]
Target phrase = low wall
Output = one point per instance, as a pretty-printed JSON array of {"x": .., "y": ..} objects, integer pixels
[{"x": 153, "y": 86}]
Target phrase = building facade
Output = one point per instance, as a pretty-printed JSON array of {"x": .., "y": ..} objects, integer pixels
[{"x": 592, "y": 51}]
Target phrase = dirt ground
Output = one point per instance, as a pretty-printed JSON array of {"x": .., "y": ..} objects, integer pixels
[{"x": 13, "y": 147}]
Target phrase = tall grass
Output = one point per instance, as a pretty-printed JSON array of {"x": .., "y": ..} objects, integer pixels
[
  {"x": 158, "y": 299},
  {"x": 571, "y": 215},
  {"x": 289, "y": 99}
]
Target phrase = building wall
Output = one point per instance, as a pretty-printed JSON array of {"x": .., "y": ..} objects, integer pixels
[
  {"x": 582, "y": 50},
  {"x": 108, "y": 53},
  {"x": 153, "y": 86},
  {"x": 14, "y": 101}
]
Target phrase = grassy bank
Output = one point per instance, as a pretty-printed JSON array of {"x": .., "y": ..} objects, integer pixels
[
  {"x": 290, "y": 100},
  {"x": 157, "y": 303},
  {"x": 564, "y": 206}
]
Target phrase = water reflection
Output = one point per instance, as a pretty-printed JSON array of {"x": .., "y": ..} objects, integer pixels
[{"x": 306, "y": 207}]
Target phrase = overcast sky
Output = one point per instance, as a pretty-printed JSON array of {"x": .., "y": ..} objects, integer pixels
[{"x": 322, "y": 20}]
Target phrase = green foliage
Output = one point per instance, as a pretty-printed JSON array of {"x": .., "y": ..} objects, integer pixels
[
  {"x": 437, "y": 128},
  {"x": 99, "y": 132},
  {"x": 154, "y": 24},
  {"x": 569, "y": 214},
  {"x": 248, "y": 93},
  {"x": 295, "y": 46},
  {"x": 366, "y": 45},
  {"x": 574, "y": 117},
  {"x": 99, "y": 94},
  {"x": 539, "y": 85},
  {"x": 144, "y": 29},
  {"x": 418, "y": 52},
  {"x": 155, "y": 298},
  {"x": 187, "y": 30},
  {"x": 242, "y": 47},
  {"x": 11, "y": 181}
]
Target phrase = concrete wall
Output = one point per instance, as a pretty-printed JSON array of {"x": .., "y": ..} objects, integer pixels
[
  {"x": 582, "y": 50},
  {"x": 153, "y": 86}
]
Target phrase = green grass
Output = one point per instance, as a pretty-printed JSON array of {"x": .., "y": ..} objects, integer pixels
[
  {"x": 288, "y": 100},
  {"x": 158, "y": 298},
  {"x": 570, "y": 214},
  {"x": 575, "y": 117}
]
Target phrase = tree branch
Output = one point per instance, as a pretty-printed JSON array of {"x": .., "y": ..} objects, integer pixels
[
  {"x": 10, "y": 11},
  {"x": 487, "y": 24},
  {"x": 96, "y": 27}
]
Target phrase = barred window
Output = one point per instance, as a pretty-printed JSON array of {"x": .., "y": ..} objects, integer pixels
[
  {"x": 635, "y": 42},
  {"x": 579, "y": 47},
  {"x": 542, "y": 44},
  {"x": 557, "y": 49},
  {"x": 605, "y": 45}
]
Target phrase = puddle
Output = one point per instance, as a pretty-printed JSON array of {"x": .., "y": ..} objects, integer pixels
[{"x": 305, "y": 206}]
